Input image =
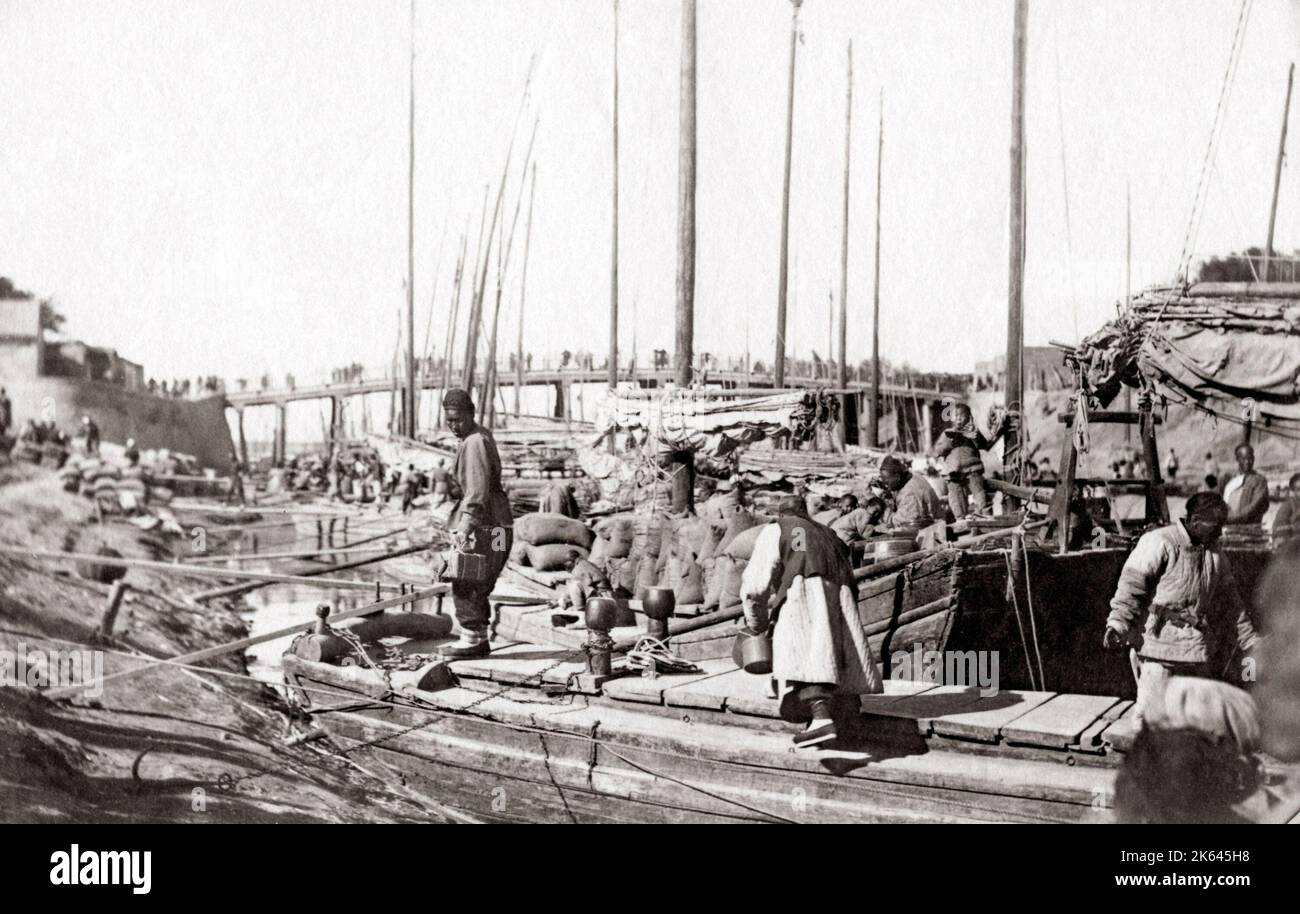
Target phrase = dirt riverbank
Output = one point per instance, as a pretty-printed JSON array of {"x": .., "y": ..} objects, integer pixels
[{"x": 168, "y": 744}]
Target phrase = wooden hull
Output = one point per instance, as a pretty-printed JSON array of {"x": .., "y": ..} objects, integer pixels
[
  {"x": 959, "y": 600},
  {"x": 511, "y": 756}
]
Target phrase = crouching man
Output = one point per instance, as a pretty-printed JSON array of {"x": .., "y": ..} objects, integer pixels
[
  {"x": 481, "y": 524},
  {"x": 586, "y": 581},
  {"x": 819, "y": 648},
  {"x": 1179, "y": 587}
]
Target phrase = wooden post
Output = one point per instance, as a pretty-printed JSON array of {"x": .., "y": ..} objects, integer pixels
[
  {"x": 683, "y": 477},
  {"x": 115, "y": 596},
  {"x": 873, "y": 400},
  {"x": 613, "y": 268},
  {"x": 523, "y": 283},
  {"x": 408, "y": 399},
  {"x": 1277, "y": 174},
  {"x": 243, "y": 442},
  {"x": 782, "y": 291},
  {"x": 843, "y": 378},
  {"x": 1011, "y": 456},
  {"x": 281, "y": 434}
]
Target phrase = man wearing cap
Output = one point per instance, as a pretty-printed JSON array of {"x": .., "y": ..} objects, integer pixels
[
  {"x": 481, "y": 523},
  {"x": 1177, "y": 603},
  {"x": 819, "y": 647}
]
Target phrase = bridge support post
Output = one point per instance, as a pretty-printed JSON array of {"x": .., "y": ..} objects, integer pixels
[
  {"x": 243, "y": 442},
  {"x": 927, "y": 424},
  {"x": 279, "y": 447},
  {"x": 336, "y": 425}
]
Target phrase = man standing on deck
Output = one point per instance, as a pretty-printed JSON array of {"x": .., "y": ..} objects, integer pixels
[
  {"x": 819, "y": 647},
  {"x": 481, "y": 525},
  {"x": 1180, "y": 588},
  {"x": 1247, "y": 492}
]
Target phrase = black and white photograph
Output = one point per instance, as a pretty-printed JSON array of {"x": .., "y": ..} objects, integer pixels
[{"x": 650, "y": 412}]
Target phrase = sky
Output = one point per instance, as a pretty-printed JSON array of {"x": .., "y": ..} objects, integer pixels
[{"x": 221, "y": 187}]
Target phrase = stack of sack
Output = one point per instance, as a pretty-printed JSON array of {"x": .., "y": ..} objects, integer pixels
[
  {"x": 612, "y": 552},
  {"x": 736, "y": 535},
  {"x": 543, "y": 540}
]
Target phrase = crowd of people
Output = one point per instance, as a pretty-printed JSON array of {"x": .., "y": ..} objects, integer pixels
[{"x": 183, "y": 388}]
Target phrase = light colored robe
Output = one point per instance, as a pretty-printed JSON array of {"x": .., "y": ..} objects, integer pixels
[{"x": 813, "y": 642}]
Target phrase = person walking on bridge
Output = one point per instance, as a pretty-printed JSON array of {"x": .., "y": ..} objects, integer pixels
[{"x": 481, "y": 524}]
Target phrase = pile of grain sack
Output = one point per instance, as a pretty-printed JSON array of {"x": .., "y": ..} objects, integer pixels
[{"x": 701, "y": 558}]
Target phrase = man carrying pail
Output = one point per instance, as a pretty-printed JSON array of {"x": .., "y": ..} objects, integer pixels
[
  {"x": 819, "y": 648},
  {"x": 482, "y": 527}
]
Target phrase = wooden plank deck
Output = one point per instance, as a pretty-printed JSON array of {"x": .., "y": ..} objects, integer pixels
[
  {"x": 1058, "y": 723},
  {"x": 651, "y": 691},
  {"x": 984, "y": 718}
]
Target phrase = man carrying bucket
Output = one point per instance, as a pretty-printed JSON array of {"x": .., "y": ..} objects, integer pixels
[
  {"x": 819, "y": 648},
  {"x": 482, "y": 527}
]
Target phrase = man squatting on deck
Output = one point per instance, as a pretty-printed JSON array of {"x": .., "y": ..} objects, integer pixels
[
  {"x": 819, "y": 648},
  {"x": 481, "y": 523},
  {"x": 1179, "y": 580}
]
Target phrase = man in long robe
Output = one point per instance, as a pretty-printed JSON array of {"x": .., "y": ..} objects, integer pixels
[
  {"x": 819, "y": 647},
  {"x": 481, "y": 524},
  {"x": 1247, "y": 492}
]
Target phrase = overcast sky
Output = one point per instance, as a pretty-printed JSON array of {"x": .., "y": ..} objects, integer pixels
[{"x": 220, "y": 187}]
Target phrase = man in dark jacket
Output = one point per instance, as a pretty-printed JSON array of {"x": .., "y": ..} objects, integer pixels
[{"x": 481, "y": 525}]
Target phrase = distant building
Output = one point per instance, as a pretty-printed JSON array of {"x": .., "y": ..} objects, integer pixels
[{"x": 26, "y": 353}]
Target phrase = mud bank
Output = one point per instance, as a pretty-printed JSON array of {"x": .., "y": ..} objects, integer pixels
[{"x": 166, "y": 744}]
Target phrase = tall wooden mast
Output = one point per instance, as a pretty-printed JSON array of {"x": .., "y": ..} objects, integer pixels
[
  {"x": 613, "y": 267},
  {"x": 841, "y": 354},
  {"x": 782, "y": 290},
  {"x": 683, "y": 477},
  {"x": 873, "y": 404},
  {"x": 1016, "y": 274},
  {"x": 408, "y": 400},
  {"x": 1277, "y": 173}
]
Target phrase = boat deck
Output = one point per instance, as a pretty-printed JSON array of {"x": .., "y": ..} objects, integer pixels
[{"x": 1073, "y": 728}]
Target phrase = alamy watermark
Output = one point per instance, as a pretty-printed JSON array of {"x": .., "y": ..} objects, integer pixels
[
  {"x": 38, "y": 668},
  {"x": 958, "y": 668}
]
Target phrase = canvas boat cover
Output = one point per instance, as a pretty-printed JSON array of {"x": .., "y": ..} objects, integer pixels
[
  {"x": 1216, "y": 346},
  {"x": 709, "y": 425}
]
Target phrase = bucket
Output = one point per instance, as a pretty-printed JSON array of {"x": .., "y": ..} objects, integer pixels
[
  {"x": 891, "y": 546},
  {"x": 753, "y": 653}
]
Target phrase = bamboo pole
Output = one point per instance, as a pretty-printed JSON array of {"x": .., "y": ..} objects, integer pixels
[
  {"x": 265, "y": 577},
  {"x": 408, "y": 399},
  {"x": 503, "y": 264},
  {"x": 476, "y": 304},
  {"x": 450, "y": 347},
  {"x": 523, "y": 284},
  {"x": 783, "y": 281}
]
